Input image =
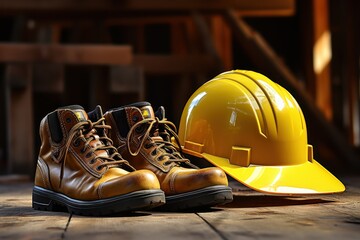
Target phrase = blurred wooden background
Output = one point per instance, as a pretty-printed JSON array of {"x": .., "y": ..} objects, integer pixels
[{"x": 60, "y": 52}]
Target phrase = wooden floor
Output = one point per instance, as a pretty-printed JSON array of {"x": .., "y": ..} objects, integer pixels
[{"x": 251, "y": 215}]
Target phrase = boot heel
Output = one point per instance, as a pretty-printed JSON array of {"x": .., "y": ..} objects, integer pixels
[
  {"x": 44, "y": 203},
  {"x": 40, "y": 202}
]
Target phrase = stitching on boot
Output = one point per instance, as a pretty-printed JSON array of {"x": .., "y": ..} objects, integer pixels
[
  {"x": 42, "y": 175},
  {"x": 40, "y": 165},
  {"x": 128, "y": 116}
]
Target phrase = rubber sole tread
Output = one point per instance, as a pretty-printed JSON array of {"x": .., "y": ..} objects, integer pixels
[
  {"x": 198, "y": 199},
  {"x": 47, "y": 200}
]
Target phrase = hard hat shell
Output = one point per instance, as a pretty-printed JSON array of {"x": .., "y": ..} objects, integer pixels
[{"x": 254, "y": 130}]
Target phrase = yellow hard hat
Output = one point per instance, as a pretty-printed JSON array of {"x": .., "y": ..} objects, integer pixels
[{"x": 254, "y": 130}]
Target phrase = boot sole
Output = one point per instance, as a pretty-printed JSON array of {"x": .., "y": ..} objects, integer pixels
[
  {"x": 198, "y": 199},
  {"x": 47, "y": 200}
]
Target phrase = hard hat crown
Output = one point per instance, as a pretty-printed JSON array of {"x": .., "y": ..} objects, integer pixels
[{"x": 254, "y": 130}]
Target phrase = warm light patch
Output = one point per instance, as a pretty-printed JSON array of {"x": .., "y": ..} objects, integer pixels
[{"x": 322, "y": 52}]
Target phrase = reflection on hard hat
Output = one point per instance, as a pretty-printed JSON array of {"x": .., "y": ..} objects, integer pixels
[{"x": 194, "y": 103}]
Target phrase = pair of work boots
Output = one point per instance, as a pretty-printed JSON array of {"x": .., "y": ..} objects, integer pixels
[{"x": 98, "y": 164}]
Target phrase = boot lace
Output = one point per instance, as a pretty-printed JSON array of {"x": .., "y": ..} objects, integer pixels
[
  {"x": 168, "y": 152},
  {"x": 86, "y": 131}
]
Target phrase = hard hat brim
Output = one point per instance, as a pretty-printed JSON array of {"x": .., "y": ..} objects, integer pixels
[{"x": 306, "y": 178}]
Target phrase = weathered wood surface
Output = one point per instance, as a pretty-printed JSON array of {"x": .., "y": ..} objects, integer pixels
[
  {"x": 251, "y": 215},
  {"x": 19, "y": 221}
]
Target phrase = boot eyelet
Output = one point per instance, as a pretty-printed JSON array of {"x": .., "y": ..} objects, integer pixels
[
  {"x": 68, "y": 120},
  {"x": 92, "y": 161},
  {"x": 153, "y": 153},
  {"x": 55, "y": 154},
  {"x": 99, "y": 168},
  {"x": 139, "y": 129},
  {"x": 135, "y": 118},
  {"x": 88, "y": 155},
  {"x": 76, "y": 143}
]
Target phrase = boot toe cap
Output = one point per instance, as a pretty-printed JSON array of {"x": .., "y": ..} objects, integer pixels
[
  {"x": 192, "y": 179},
  {"x": 131, "y": 182}
]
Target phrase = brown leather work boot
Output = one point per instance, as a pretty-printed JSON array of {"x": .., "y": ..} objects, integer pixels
[
  {"x": 78, "y": 168},
  {"x": 144, "y": 140}
]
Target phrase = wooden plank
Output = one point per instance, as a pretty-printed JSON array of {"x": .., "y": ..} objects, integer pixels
[
  {"x": 145, "y": 19},
  {"x": 66, "y": 54},
  {"x": 251, "y": 215},
  {"x": 329, "y": 216},
  {"x": 141, "y": 225},
  {"x": 19, "y": 221},
  {"x": 289, "y": 218},
  {"x": 269, "y": 63},
  {"x": 246, "y": 7},
  {"x": 164, "y": 64}
]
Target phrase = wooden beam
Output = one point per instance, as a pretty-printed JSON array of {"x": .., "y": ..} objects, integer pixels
[
  {"x": 351, "y": 75},
  {"x": 207, "y": 40},
  {"x": 178, "y": 38},
  {"x": 165, "y": 64},
  {"x": 222, "y": 40},
  {"x": 246, "y": 7},
  {"x": 322, "y": 56},
  {"x": 66, "y": 54},
  {"x": 3, "y": 128},
  {"x": 19, "y": 120},
  {"x": 317, "y": 53},
  {"x": 268, "y": 62}
]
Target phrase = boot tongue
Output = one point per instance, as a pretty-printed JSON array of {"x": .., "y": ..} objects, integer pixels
[
  {"x": 96, "y": 114},
  {"x": 160, "y": 113}
]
